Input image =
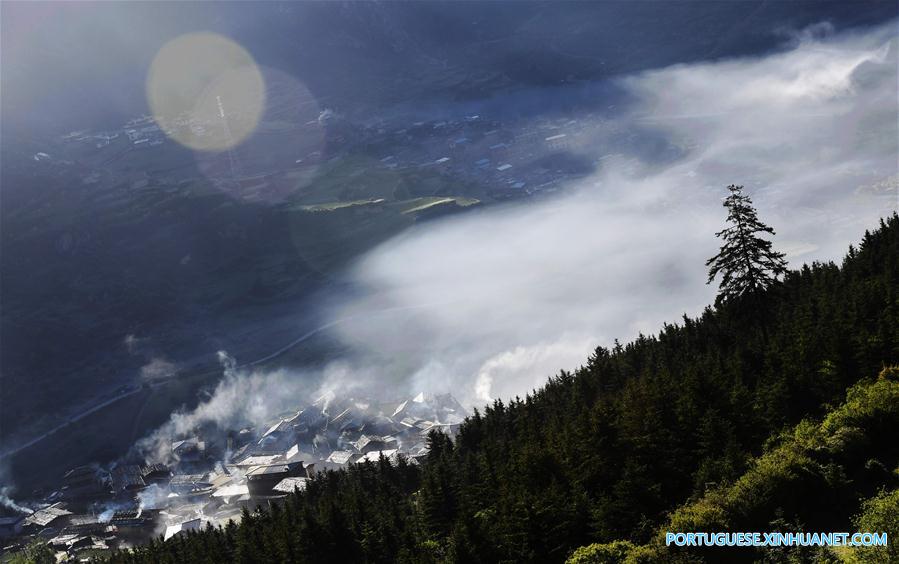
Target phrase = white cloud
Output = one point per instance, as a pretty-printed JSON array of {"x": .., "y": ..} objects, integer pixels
[
  {"x": 517, "y": 293},
  {"x": 522, "y": 369},
  {"x": 490, "y": 303}
]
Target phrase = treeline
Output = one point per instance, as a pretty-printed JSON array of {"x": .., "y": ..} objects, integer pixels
[
  {"x": 810, "y": 478},
  {"x": 608, "y": 452}
]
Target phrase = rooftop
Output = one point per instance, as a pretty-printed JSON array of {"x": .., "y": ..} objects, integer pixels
[
  {"x": 192, "y": 525},
  {"x": 341, "y": 456},
  {"x": 375, "y": 455},
  {"x": 47, "y": 515},
  {"x": 234, "y": 490},
  {"x": 258, "y": 460},
  {"x": 289, "y": 484},
  {"x": 268, "y": 469}
]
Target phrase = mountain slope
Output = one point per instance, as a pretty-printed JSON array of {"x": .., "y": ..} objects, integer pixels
[
  {"x": 809, "y": 479},
  {"x": 605, "y": 453}
]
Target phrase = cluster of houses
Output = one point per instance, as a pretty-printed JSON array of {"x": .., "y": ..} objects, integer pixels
[
  {"x": 141, "y": 131},
  {"x": 210, "y": 477},
  {"x": 509, "y": 162},
  {"x": 513, "y": 160}
]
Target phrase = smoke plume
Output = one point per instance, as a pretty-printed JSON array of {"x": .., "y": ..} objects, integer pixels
[
  {"x": 490, "y": 303},
  {"x": 527, "y": 290}
]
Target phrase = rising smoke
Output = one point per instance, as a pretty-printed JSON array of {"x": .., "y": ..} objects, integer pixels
[
  {"x": 509, "y": 295},
  {"x": 7, "y": 502},
  {"x": 247, "y": 397},
  {"x": 811, "y": 132}
]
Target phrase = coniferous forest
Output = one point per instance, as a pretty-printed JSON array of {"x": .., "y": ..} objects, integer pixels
[{"x": 777, "y": 410}]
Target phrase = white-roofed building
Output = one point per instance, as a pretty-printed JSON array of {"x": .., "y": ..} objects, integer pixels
[
  {"x": 288, "y": 485},
  {"x": 178, "y": 528},
  {"x": 375, "y": 455}
]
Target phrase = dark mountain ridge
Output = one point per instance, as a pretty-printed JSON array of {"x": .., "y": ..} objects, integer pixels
[{"x": 606, "y": 453}]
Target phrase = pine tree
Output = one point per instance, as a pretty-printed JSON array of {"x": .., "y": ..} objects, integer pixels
[
  {"x": 746, "y": 261},
  {"x": 609, "y": 450}
]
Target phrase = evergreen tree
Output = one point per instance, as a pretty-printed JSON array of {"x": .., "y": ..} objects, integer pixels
[
  {"x": 746, "y": 261},
  {"x": 607, "y": 453}
]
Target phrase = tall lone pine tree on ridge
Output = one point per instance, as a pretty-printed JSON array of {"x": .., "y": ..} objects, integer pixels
[{"x": 746, "y": 261}]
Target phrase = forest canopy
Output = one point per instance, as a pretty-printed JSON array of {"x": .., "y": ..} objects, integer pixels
[{"x": 776, "y": 421}]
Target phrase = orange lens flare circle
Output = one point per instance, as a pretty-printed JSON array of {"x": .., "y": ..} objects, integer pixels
[{"x": 205, "y": 91}]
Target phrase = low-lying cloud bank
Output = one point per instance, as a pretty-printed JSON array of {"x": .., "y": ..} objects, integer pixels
[
  {"x": 488, "y": 304},
  {"x": 527, "y": 290}
]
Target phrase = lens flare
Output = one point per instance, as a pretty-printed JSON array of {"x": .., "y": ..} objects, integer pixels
[
  {"x": 284, "y": 153},
  {"x": 205, "y": 91}
]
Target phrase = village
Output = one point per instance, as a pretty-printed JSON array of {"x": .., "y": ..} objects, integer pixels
[
  {"x": 504, "y": 160},
  {"x": 210, "y": 477}
]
